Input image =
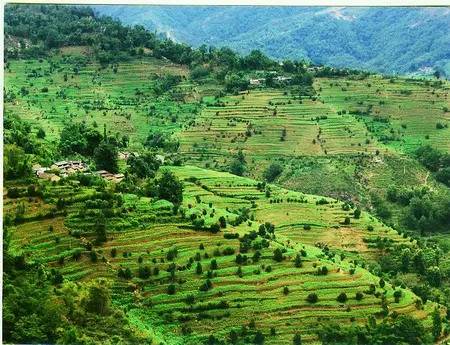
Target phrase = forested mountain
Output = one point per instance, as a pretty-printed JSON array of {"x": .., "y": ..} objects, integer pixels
[{"x": 393, "y": 40}]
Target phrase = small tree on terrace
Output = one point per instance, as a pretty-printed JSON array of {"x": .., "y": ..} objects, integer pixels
[
  {"x": 278, "y": 255},
  {"x": 272, "y": 172},
  {"x": 170, "y": 188},
  {"x": 105, "y": 156},
  {"x": 342, "y": 298}
]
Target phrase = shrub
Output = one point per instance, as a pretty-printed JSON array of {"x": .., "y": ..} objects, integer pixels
[
  {"x": 213, "y": 264},
  {"x": 223, "y": 222},
  {"x": 93, "y": 256},
  {"x": 272, "y": 172},
  {"x": 199, "y": 268},
  {"x": 113, "y": 252},
  {"x": 171, "y": 289},
  {"x": 278, "y": 255},
  {"x": 207, "y": 285},
  {"x": 347, "y": 220},
  {"x": 359, "y": 296},
  {"x": 285, "y": 290},
  {"x": 382, "y": 283},
  {"x": 230, "y": 236},
  {"x": 322, "y": 271},
  {"x": 214, "y": 228},
  {"x": 144, "y": 272},
  {"x": 312, "y": 298},
  {"x": 342, "y": 298},
  {"x": 228, "y": 251},
  {"x": 357, "y": 213},
  {"x": 259, "y": 338},
  {"x": 297, "y": 339},
  {"x": 298, "y": 261}
]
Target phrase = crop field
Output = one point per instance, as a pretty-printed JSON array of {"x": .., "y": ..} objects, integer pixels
[
  {"x": 51, "y": 91},
  {"x": 267, "y": 124},
  {"x": 394, "y": 110},
  {"x": 226, "y": 294}
]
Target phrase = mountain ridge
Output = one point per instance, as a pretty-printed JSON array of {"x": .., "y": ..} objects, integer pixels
[{"x": 387, "y": 40}]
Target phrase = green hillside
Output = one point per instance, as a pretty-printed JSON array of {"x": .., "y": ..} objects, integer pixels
[
  {"x": 337, "y": 36},
  {"x": 160, "y": 194},
  {"x": 248, "y": 280}
]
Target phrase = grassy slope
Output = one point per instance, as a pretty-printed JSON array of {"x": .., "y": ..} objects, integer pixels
[
  {"x": 95, "y": 95},
  {"x": 148, "y": 230},
  {"x": 333, "y": 166},
  {"x": 325, "y": 152}
]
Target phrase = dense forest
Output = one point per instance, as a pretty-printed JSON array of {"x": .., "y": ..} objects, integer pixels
[
  {"x": 336, "y": 36},
  {"x": 157, "y": 193}
]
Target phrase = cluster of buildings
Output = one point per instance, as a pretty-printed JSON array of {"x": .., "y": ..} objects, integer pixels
[
  {"x": 261, "y": 81},
  {"x": 65, "y": 168},
  {"x": 110, "y": 176},
  {"x": 59, "y": 169}
]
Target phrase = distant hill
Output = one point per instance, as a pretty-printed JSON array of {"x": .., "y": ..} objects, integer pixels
[{"x": 390, "y": 40}]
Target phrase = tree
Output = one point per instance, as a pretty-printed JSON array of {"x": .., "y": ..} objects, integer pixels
[
  {"x": 40, "y": 133},
  {"x": 235, "y": 83},
  {"x": 437, "y": 324},
  {"x": 312, "y": 298},
  {"x": 98, "y": 299},
  {"x": 222, "y": 222},
  {"x": 100, "y": 230},
  {"x": 285, "y": 290},
  {"x": 171, "y": 289},
  {"x": 342, "y": 298},
  {"x": 170, "y": 188},
  {"x": 78, "y": 138},
  {"x": 297, "y": 339},
  {"x": 382, "y": 283},
  {"x": 298, "y": 261},
  {"x": 434, "y": 276},
  {"x": 105, "y": 156},
  {"x": 234, "y": 337},
  {"x": 272, "y": 172},
  {"x": 259, "y": 338},
  {"x": 199, "y": 268},
  {"x": 278, "y": 255},
  {"x": 237, "y": 167},
  {"x": 144, "y": 165},
  {"x": 15, "y": 162},
  {"x": 357, "y": 213}
]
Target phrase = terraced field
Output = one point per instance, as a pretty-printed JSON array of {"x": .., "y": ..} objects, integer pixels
[
  {"x": 230, "y": 291},
  {"x": 268, "y": 124},
  {"x": 348, "y": 117},
  {"x": 403, "y": 103},
  {"x": 49, "y": 92}
]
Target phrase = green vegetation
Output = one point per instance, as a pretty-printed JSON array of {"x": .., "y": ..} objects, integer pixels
[{"x": 286, "y": 212}]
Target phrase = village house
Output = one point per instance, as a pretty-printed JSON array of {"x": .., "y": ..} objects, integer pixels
[
  {"x": 257, "y": 82},
  {"x": 281, "y": 79},
  {"x": 43, "y": 173},
  {"x": 124, "y": 155},
  {"x": 110, "y": 176},
  {"x": 69, "y": 167}
]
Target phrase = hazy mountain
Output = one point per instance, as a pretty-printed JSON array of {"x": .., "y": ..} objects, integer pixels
[{"x": 384, "y": 39}]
